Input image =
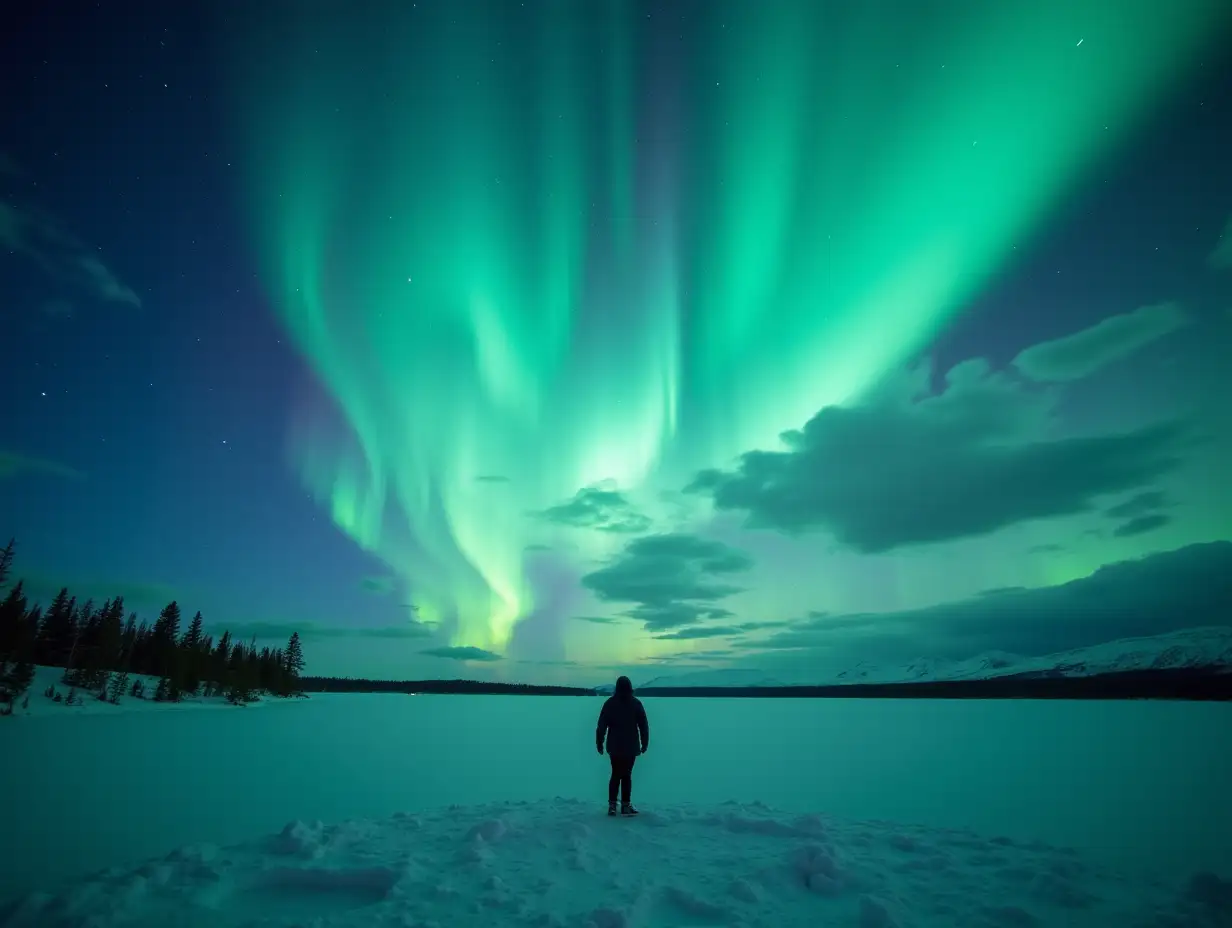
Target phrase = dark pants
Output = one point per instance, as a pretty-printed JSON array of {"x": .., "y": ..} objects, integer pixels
[{"x": 622, "y": 777}]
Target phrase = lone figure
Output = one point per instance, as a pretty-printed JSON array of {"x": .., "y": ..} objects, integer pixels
[{"x": 623, "y": 721}]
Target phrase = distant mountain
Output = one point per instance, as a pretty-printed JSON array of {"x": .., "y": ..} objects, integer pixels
[
  {"x": 1208, "y": 648},
  {"x": 729, "y": 677}
]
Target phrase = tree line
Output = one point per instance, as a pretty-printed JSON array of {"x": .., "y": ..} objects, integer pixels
[
  {"x": 99, "y": 648},
  {"x": 471, "y": 687}
]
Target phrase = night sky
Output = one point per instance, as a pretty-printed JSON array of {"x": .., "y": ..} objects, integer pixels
[{"x": 531, "y": 340}]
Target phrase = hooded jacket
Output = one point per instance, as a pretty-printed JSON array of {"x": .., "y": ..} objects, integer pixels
[{"x": 623, "y": 721}]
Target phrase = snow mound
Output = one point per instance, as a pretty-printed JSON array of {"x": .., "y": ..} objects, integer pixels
[{"x": 565, "y": 864}]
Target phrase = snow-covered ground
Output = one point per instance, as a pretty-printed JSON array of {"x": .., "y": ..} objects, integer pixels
[
  {"x": 445, "y": 810},
  {"x": 1191, "y": 647},
  {"x": 561, "y": 863},
  {"x": 87, "y": 703}
]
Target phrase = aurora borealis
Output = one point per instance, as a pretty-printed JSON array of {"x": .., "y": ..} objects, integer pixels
[{"x": 549, "y": 273}]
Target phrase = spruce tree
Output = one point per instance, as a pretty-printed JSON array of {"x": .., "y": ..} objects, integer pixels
[
  {"x": 190, "y": 657},
  {"x": 6, "y": 560},
  {"x": 293, "y": 663},
  {"x": 12, "y": 620},
  {"x": 57, "y": 631},
  {"x": 117, "y": 687},
  {"x": 165, "y": 638}
]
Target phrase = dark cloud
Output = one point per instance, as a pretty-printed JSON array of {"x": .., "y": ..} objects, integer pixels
[
  {"x": 1140, "y": 504},
  {"x": 673, "y": 615},
  {"x": 280, "y": 630},
  {"x": 492, "y": 478},
  {"x": 136, "y": 593},
  {"x": 1160, "y": 593},
  {"x": 15, "y": 465},
  {"x": 1141, "y": 525},
  {"x": 602, "y": 509},
  {"x": 673, "y": 579},
  {"x": 377, "y": 586},
  {"x": 597, "y": 619},
  {"x": 1076, "y": 356},
  {"x": 463, "y": 654},
  {"x": 902, "y": 470},
  {"x": 65, "y": 259},
  {"x": 701, "y": 631}
]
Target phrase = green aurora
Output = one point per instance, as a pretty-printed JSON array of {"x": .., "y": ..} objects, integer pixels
[{"x": 533, "y": 248}]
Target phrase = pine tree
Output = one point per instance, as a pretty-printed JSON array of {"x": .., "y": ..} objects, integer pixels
[
  {"x": 166, "y": 635},
  {"x": 293, "y": 664},
  {"x": 117, "y": 687},
  {"x": 57, "y": 631},
  {"x": 220, "y": 664},
  {"x": 190, "y": 656},
  {"x": 294, "y": 656},
  {"x": 12, "y": 618},
  {"x": 14, "y": 681},
  {"x": 6, "y": 560}
]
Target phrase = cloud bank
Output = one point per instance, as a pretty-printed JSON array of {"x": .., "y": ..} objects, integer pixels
[
  {"x": 671, "y": 579},
  {"x": 904, "y": 469}
]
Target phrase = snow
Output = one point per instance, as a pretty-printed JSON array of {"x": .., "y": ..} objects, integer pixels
[
  {"x": 561, "y": 862},
  {"x": 718, "y": 677},
  {"x": 382, "y": 810},
  {"x": 40, "y": 705}
]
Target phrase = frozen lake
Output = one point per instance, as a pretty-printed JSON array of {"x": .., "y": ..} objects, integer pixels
[{"x": 1133, "y": 784}]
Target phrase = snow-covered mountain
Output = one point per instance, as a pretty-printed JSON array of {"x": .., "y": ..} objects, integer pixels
[
  {"x": 1207, "y": 647},
  {"x": 728, "y": 677}
]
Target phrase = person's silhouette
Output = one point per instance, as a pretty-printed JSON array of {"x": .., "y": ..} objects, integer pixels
[{"x": 623, "y": 721}]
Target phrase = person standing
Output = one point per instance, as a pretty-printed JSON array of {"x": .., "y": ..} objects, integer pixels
[{"x": 623, "y": 721}]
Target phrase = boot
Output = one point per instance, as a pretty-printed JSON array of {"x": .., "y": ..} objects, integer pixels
[
  {"x": 611, "y": 807},
  {"x": 626, "y": 808}
]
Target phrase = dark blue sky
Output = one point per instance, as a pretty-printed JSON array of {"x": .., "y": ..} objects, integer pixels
[{"x": 150, "y": 382}]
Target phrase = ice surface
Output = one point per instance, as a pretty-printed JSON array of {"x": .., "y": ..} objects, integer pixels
[{"x": 390, "y": 810}]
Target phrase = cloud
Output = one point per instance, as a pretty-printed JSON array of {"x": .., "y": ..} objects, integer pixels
[
  {"x": 1076, "y": 356},
  {"x": 463, "y": 654},
  {"x": 597, "y": 619},
  {"x": 1185, "y": 588},
  {"x": 15, "y": 465},
  {"x": 136, "y": 593},
  {"x": 903, "y": 470},
  {"x": 672, "y": 579},
  {"x": 600, "y": 508},
  {"x": 378, "y": 586},
  {"x": 1050, "y": 548},
  {"x": 700, "y": 631},
  {"x": 64, "y": 258},
  {"x": 1138, "y": 505},
  {"x": 1221, "y": 257},
  {"x": 266, "y": 630},
  {"x": 1141, "y": 525},
  {"x": 492, "y": 478}
]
